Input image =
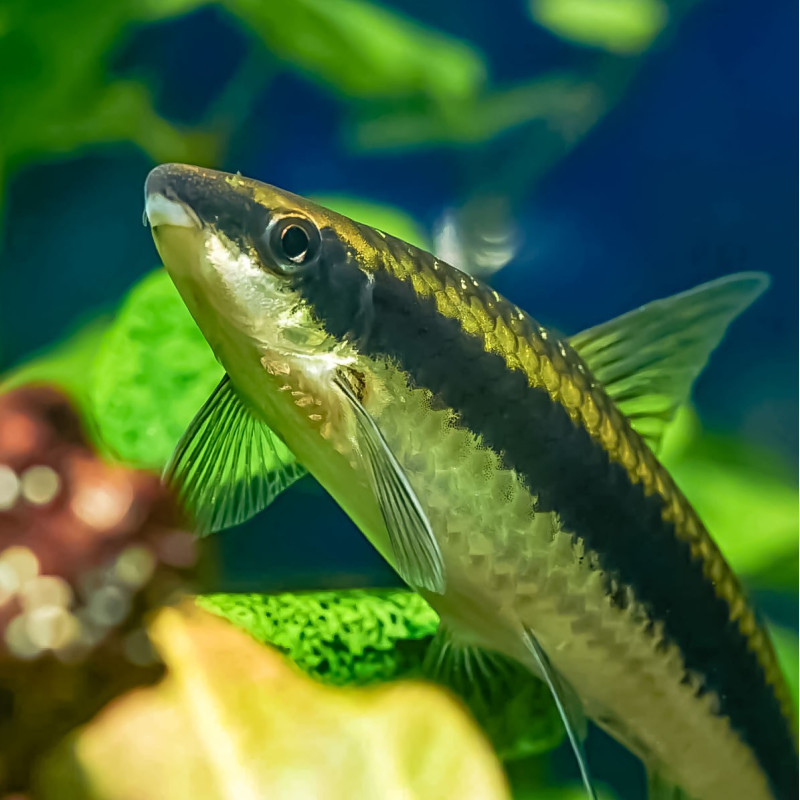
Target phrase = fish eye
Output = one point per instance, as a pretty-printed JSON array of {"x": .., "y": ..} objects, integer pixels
[{"x": 294, "y": 242}]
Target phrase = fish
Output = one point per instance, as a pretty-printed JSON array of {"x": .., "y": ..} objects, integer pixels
[{"x": 507, "y": 473}]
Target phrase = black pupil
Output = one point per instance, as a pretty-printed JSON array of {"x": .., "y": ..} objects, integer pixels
[{"x": 295, "y": 242}]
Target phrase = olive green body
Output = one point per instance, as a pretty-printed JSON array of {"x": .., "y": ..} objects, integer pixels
[{"x": 552, "y": 514}]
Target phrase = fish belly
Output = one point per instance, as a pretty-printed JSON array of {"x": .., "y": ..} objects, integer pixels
[{"x": 631, "y": 680}]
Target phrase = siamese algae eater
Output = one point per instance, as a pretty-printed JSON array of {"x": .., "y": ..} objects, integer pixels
[{"x": 508, "y": 474}]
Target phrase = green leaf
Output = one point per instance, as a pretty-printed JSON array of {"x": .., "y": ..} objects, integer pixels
[
  {"x": 363, "y": 50},
  {"x": 568, "y": 105},
  {"x": 786, "y": 647},
  {"x": 344, "y": 637},
  {"x": 55, "y": 62},
  {"x": 361, "y": 637},
  {"x": 571, "y": 792},
  {"x": 161, "y": 9},
  {"x": 152, "y": 374},
  {"x": 620, "y": 26},
  {"x": 745, "y": 495}
]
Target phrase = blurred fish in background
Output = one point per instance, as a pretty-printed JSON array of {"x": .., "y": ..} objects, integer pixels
[{"x": 582, "y": 156}]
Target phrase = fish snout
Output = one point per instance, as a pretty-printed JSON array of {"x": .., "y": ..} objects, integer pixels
[{"x": 165, "y": 197}]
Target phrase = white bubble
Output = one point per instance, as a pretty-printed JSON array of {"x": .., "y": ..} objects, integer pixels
[
  {"x": 18, "y": 641},
  {"x": 9, "y": 582},
  {"x": 108, "y": 606},
  {"x": 89, "y": 632},
  {"x": 9, "y": 487},
  {"x": 46, "y": 590},
  {"x": 135, "y": 566},
  {"x": 50, "y": 627},
  {"x": 103, "y": 506},
  {"x": 21, "y": 561},
  {"x": 40, "y": 484}
]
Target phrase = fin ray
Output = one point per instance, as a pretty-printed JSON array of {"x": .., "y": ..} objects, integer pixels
[
  {"x": 649, "y": 358},
  {"x": 417, "y": 554},
  {"x": 447, "y": 656},
  {"x": 568, "y": 707},
  {"x": 228, "y": 465}
]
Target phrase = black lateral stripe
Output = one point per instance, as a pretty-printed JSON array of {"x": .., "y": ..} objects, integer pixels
[{"x": 573, "y": 476}]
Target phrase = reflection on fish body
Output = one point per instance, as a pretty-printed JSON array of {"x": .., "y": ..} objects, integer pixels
[{"x": 507, "y": 474}]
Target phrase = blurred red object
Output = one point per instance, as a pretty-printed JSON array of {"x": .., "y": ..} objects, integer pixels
[{"x": 86, "y": 549}]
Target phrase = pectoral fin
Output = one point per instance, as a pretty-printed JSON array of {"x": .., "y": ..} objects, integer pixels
[
  {"x": 648, "y": 359},
  {"x": 569, "y": 707},
  {"x": 418, "y": 559},
  {"x": 228, "y": 465}
]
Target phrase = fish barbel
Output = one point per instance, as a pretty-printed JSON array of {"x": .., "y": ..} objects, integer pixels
[{"x": 506, "y": 473}]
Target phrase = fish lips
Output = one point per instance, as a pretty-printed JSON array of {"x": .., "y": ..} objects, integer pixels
[{"x": 185, "y": 196}]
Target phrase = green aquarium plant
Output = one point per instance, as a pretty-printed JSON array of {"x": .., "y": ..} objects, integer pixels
[
  {"x": 231, "y": 718},
  {"x": 364, "y": 637}
]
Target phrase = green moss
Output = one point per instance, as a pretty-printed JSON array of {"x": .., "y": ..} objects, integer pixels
[
  {"x": 153, "y": 372},
  {"x": 362, "y": 637},
  {"x": 341, "y": 638}
]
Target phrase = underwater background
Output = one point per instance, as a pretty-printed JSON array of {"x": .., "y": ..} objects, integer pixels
[{"x": 587, "y": 156}]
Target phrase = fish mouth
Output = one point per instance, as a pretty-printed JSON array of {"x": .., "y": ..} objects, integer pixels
[
  {"x": 165, "y": 202},
  {"x": 184, "y": 196}
]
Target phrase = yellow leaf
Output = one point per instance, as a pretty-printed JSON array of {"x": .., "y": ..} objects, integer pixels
[{"x": 232, "y": 720}]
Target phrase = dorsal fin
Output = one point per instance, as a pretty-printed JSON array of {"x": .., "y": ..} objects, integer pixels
[
  {"x": 648, "y": 359},
  {"x": 228, "y": 465}
]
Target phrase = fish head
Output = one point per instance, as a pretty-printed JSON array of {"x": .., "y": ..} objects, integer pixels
[
  {"x": 240, "y": 253},
  {"x": 251, "y": 263}
]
